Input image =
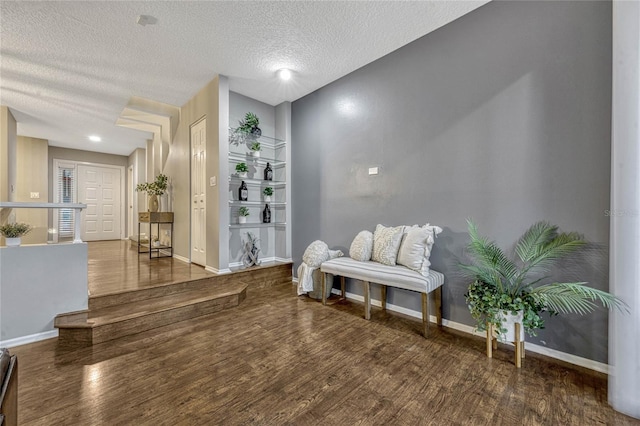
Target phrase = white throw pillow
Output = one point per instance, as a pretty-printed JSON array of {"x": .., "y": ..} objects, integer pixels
[
  {"x": 415, "y": 249},
  {"x": 362, "y": 246},
  {"x": 386, "y": 242},
  {"x": 316, "y": 253}
]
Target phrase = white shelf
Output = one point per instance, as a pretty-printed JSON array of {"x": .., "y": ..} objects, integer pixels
[
  {"x": 256, "y": 203},
  {"x": 256, "y": 182},
  {"x": 238, "y": 157},
  {"x": 256, "y": 225}
]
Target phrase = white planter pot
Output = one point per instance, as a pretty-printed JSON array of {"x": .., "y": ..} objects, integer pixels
[
  {"x": 156, "y": 243},
  {"x": 242, "y": 219},
  {"x": 13, "y": 242},
  {"x": 255, "y": 154},
  {"x": 267, "y": 198},
  {"x": 508, "y": 322},
  {"x": 242, "y": 175}
]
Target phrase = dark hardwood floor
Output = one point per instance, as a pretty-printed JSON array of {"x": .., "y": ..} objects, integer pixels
[{"x": 282, "y": 359}]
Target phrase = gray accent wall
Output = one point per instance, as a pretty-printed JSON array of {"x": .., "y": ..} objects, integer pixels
[{"x": 503, "y": 116}]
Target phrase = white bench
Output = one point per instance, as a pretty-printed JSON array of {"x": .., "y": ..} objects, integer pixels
[{"x": 392, "y": 276}]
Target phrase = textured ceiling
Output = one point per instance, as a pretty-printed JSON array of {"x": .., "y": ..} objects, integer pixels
[{"x": 67, "y": 69}]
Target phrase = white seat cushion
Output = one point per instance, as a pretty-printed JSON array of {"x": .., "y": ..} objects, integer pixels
[{"x": 395, "y": 276}]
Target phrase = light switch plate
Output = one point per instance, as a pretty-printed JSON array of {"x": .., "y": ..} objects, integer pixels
[
  {"x": 35, "y": 195},
  {"x": 373, "y": 170},
  {"x": 212, "y": 181}
]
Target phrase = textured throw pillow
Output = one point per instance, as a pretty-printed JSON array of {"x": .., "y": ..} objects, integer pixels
[
  {"x": 415, "y": 249},
  {"x": 316, "y": 253},
  {"x": 362, "y": 246},
  {"x": 386, "y": 242}
]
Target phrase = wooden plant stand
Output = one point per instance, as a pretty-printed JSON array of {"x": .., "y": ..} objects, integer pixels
[{"x": 492, "y": 343}]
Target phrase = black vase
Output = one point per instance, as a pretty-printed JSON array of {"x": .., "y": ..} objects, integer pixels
[{"x": 256, "y": 131}]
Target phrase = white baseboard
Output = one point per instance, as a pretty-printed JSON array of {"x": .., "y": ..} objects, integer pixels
[
  {"x": 263, "y": 259},
  {"x": 19, "y": 341},
  {"x": 295, "y": 280},
  {"x": 542, "y": 350},
  {"x": 283, "y": 259},
  {"x": 217, "y": 271},
  {"x": 181, "y": 258}
]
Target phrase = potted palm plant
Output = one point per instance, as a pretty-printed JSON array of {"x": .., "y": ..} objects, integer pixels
[
  {"x": 267, "y": 193},
  {"x": 243, "y": 213},
  {"x": 242, "y": 169},
  {"x": 505, "y": 289},
  {"x": 13, "y": 232},
  {"x": 153, "y": 190}
]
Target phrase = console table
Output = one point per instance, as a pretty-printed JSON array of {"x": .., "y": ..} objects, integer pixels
[{"x": 157, "y": 219}]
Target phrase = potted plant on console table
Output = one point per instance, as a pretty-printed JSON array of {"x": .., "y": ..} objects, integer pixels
[
  {"x": 506, "y": 291},
  {"x": 153, "y": 190}
]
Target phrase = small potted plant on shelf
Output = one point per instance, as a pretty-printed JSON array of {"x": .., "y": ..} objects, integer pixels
[
  {"x": 267, "y": 192},
  {"x": 156, "y": 241},
  {"x": 250, "y": 125},
  {"x": 243, "y": 212},
  {"x": 242, "y": 169},
  {"x": 12, "y": 232},
  {"x": 255, "y": 149},
  {"x": 153, "y": 190}
]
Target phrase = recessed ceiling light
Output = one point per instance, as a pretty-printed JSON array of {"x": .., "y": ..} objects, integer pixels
[
  {"x": 94, "y": 138},
  {"x": 284, "y": 74}
]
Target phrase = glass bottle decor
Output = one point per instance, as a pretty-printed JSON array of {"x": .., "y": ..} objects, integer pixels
[
  {"x": 243, "y": 192},
  {"x": 268, "y": 172},
  {"x": 266, "y": 214}
]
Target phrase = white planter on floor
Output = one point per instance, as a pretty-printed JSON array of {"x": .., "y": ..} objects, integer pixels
[{"x": 508, "y": 322}]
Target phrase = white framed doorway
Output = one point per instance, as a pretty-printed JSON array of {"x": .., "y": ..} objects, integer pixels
[
  {"x": 198, "y": 137},
  {"x": 101, "y": 187}
]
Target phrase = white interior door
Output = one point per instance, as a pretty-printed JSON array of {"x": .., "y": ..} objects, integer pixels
[
  {"x": 198, "y": 196},
  {"x": 130, "y": 192},
  {"x": 99, "y": 188}
]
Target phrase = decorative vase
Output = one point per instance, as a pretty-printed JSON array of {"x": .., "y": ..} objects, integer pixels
[
  {"x": 267, "y": 198},
  {"x": 156, "y": 243},
  {"x": 255, "y": 154},
  {"x": 242, "y": 219},
  {"x": 508, "y": 321},
  {"x": 13, "y": 242},
  {"x": 256, "y": 131},
  {"x": 242, "y": 175},
  {"x": 154, "y": 206}
]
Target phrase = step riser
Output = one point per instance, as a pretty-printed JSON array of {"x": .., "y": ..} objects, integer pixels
[
  {"x": 99, "y": 334},
  {"x": 255, "y": 278}
]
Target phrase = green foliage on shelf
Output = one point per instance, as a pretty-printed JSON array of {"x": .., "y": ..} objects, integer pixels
[
  {"x": 243, "y": 211},
  {"x": 268, "y": 191},
  {"x": 255, "y": 146},
  {"x": 250, "y": 122},
  {"x": 242, "y": 168}
]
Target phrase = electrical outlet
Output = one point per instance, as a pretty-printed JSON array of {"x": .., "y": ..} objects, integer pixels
[{"x": 35, "y": 195}]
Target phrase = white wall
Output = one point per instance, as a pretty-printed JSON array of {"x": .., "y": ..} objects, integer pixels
[{"x": 38, "y": 282}]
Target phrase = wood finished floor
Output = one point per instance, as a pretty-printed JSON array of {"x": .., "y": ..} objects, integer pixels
[
  {"x": 115, "y": 267},
  {"x": 281, "y": 359}
]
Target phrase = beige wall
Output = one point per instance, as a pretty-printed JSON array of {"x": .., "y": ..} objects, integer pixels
[
  {"x": 137, "y": 160},
  {"x": 211, "y": 103},
  {"x": 32, "y": 177},
  {"x": 8, "y": 141}
]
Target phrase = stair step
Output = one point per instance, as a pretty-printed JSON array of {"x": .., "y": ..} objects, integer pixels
[{"x": 112, "y": 322}]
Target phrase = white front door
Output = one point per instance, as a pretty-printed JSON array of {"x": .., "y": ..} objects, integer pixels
[
  {"x": 99, "y": 188},
  {"x": 198, "y": 192}
]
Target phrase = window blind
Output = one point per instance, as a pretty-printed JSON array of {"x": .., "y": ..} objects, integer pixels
[{"x": 66, "y": 194}]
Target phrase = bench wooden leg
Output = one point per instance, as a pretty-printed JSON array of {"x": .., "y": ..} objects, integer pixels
[
  {"x": 438, "y": 297},
  {"x": 324, "y": 288},
  {"x": 383, "y": 296},
  {"x": 522, "y": 349},
  {"x": 490, "y": 340},
  {"x": 367, "y": 300},
  {"x": 343, "y": 288},
  {"x": 425, "y": 315}
]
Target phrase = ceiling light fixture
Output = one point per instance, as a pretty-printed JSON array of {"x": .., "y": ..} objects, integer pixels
[
  {"x": 146, "y": 20},
  {"x": 284, "y": 74},
  {"x": 94, "y": 138}
]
